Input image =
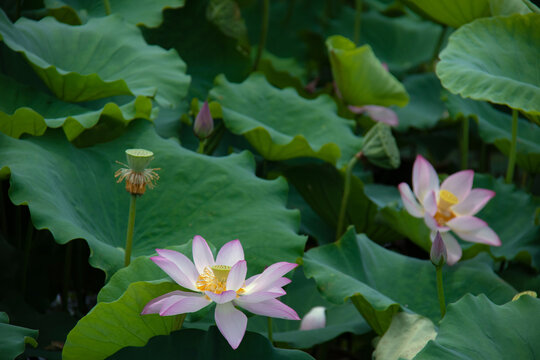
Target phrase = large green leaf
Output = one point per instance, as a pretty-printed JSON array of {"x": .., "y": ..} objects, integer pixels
[
  {"x": 282, "y": 125},
  {"x": 108, "y": 327},
  {"x": 102, "y": 58},
  {"x": 201, "y": 44},
  {"x": 425, "y": 108},
  {"x": 355, "y": 267},
  {"x": 139, "y": 12},
  {"x": 14, "y": 338},
  {"x": 24, "y": 109},
  {"x": 459, "y": 12},
  {"x": 495, "y": 127},
  {"x": 360, "y": 77},
  {"x": 495, "y": 60},
  {"x": 209, "y": 345},
  {"x": 413, "y": 42},
  {"x": 474, "y": 328},
  {"x": 75, "y": 196}
]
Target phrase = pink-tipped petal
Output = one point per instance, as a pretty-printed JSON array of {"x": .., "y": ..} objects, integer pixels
[
  {"x": 222, "y": 298},
  {"x": 474, "y": 202},
  {"x": 281, "y": 282},
  {"x": 409, "y": 201},
  {"x": 154, "y": 306},
  {"x": 433, "y": 224},
  {"x": 237, "y": 275},
  {"x": 483, "y": 235},
  {"x": 430, "y": 203},
  {"x": 262, "y": 296},
  {"x": 182, "y": 262},
  {"x": 424, "y": 178},
  {"x": 186, "y": 304},
  {"x": 466, "y": 224},
  {"x": 269, "y": 276},
  {"x": 459, "y": 184},
  {"x": 231, "y": 323},
  {"x": 230, "y": 253},
  {"x": 174, "y": 272},
  {"x": 453, "y": 249},
  {"x": 272, "y": 308},
  {"x": 202, "y": 255}
]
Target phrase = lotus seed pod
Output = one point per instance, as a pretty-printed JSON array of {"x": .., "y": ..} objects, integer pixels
[
  {"x": 380, "y": 147},
  {"x": 138, "y": 159}
]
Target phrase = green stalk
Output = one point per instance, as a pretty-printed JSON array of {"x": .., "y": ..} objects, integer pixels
[
  {"x": 107, "y": 5},
  {"x": 264, "y": 33},
  {"x": 270, "y": 337},
  {"x": 202, "y": 145},
  {"x": 357, "y": 20},
  {"x": 27, "y": 245},
  {"x": 464, "y": 143},
  {"x": 3, "y": 217},
  {"x": 345, "y": 198},
  {"x": 440, "y": 291},
  {"x": 131, "y": 225},
  {"x": 512, "y": 155},
  {"x": 178, "y": 322},
  {"x": 67, "y": 274}
]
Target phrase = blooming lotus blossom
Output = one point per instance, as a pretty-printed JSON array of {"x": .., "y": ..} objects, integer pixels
[
  {"x": 222, "y": 281},
  {"x": 448, "y": 206}
]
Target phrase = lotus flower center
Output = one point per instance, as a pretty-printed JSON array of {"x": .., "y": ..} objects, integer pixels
[
  {"x": 444, "y": 213},
  {"x": 214, "y": 279}
]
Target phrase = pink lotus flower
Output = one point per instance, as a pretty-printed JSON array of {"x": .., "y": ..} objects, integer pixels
[
  {"x": 222, "y": 281},
  {"x": 450, "y": 206}
]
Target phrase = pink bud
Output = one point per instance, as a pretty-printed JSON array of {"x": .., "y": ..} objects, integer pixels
[
  {"x": 204, "y": 124},
  {"x": 314, "y": 319},
  {"x": 438, "y": 253}
]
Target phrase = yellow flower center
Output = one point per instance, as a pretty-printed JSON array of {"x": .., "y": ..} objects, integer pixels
[
  {"x": 214, "y": 279},
  {"x": 446, "y": 200}
]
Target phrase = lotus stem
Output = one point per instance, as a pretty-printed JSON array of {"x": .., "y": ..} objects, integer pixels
[
  {"x": 345, "y": 198},
  {"x": 27, "y": 245},
  {"x": 440, "y": 290},
  {"x": 131, "y": 225},
  {"x": 67, "y": 274},
  {"x": 264, "y": 33},
  {"x": 357, "y": 21},
  {"x": 512, "y": 155},
  {"x": 107, "y": 5},
  {"x": 270, "y": 337},
  {"x": 178, "y": 322},
  {"x": 464, "y": 143},
  {"x": 202, "y": 145}
]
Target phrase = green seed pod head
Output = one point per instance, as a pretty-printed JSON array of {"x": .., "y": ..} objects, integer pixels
[
  {"x": 138, "y": 159},
  {"x": 380, "y": 147}
]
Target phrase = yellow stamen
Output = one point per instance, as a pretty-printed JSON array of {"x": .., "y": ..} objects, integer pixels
[
  {"x": 215, "y": 279},
  {"x": 446, "y": 199}
]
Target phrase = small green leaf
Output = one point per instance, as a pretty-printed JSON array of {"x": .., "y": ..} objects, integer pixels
[
  {"x": 14, "y": 338},
  {"x": 406, "y": 336},
  {"x": 282, "y": 125},
  {"x": 495, "y": 60},
  {"x": 102, "y": 58},
  {"x": 355, "y": 267},
  {"x": 474, "y": 328}
]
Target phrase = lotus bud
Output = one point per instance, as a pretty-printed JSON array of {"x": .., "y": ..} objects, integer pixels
[
  {"x": 438, "y": 253},
  {"x": 204, "y": 124},
  {"x": 314, "y": 319},
  {"x": 380, "y": 147}
]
